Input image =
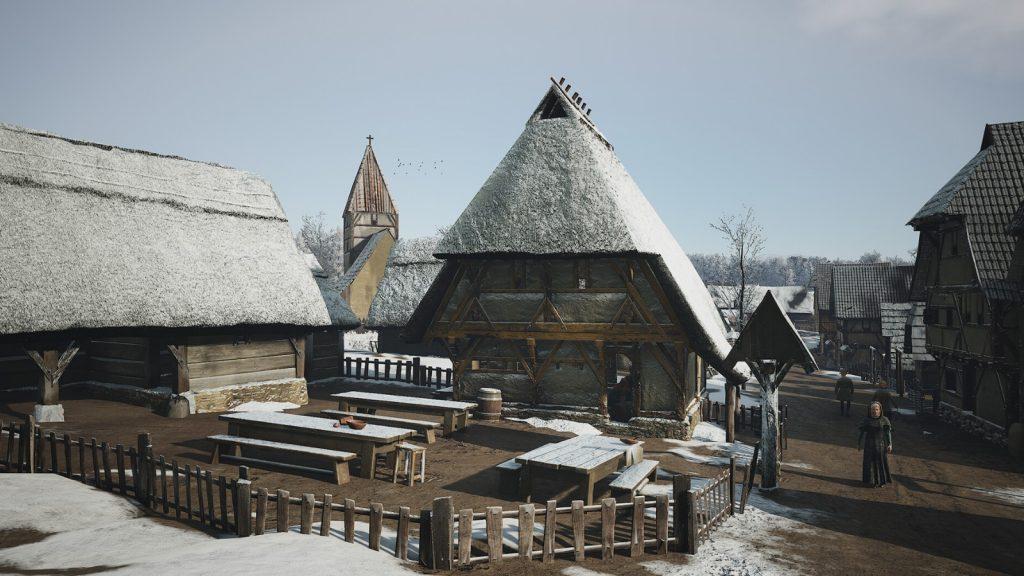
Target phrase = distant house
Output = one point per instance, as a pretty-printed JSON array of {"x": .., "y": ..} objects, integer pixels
[
  {"x": 853, "y": 319},
  {"x": 824, "y": 318},
  {"x": 410, "y": 270},
  {"x": 176, "y": 279},
  {"x": 796, "y": 301},
  {"x": 965, "y": 275},
  {"x": 358, "y": 284}
]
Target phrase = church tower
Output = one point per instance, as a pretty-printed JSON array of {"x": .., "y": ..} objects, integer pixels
[{"x": 370, "y": 208}]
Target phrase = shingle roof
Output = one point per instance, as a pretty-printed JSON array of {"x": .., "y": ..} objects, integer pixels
[
  {"x": 369, "y": 191},
  {"x": 916, "y": 346},
  {"x": 986, "y": 193},
  {"x": 859, "y": 289},
  {"x": 410, "y": 270},
  {"x": 1017, "y": 224},
  {"x": 822, "y": 281},
  {"x": 895, "y": 316},
  {"x": 95, "y": 236}
]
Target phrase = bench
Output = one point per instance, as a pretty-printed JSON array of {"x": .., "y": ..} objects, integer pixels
[
  {"x": 509, "y": 473},
  {"x": 337, "y": 459},
  {"x": 424, "y": 428},
  {"x": 632, "y": 478}
]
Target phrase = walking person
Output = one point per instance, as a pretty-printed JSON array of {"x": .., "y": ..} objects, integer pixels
[
  {"x": 876, "y": 442},
  {"x": 844, "y": 392}
]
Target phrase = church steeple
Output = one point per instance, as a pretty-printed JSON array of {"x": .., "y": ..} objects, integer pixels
[{"x": 370, "y": 207}]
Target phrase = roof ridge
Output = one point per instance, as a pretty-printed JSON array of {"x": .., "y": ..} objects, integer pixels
[{"x": 368, "y": 184}]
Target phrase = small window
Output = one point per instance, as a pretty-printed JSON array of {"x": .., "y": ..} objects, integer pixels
[
  {"x": 551, "y": 107},
  {"x": 582, "y": 283}
]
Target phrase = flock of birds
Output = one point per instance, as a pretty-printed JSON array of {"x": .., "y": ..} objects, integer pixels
[{"x": 437, "y": 167}]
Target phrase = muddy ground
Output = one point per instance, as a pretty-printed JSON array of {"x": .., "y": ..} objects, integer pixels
[{"x": 950, "y": 511}]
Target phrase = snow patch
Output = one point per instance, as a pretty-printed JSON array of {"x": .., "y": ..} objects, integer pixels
[
  {"x": 577, "y": 428},
  {"x": 716, "y": 392},
  {"x": 708, "y": 446},
  {"x": 1013, "y": 496}
]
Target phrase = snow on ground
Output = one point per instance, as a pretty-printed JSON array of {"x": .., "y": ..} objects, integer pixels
[
  {"x": 364, "y": 341},
  {"x": 716, "y": 392},
  {"x": 431, "y": 361},
  {"x": 708, "y": 446},
  {"x": 811, "y": 339},
  {"x": 833, "y": 374},
  {"x": 96, "y": 532},
  {"x": 1013, "y": 496},
  {"x": 256, "y": 406},
  {"x": 577, "y": 428}
]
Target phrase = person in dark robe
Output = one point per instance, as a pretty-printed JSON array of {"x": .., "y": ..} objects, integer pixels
[
  {"x": 885, "y": 397},
  {"x": 844, "y": 392},
  {"x": 876, "y": 442}
]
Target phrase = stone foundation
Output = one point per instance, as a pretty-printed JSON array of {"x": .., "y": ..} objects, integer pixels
[
  {"x": 223, "y": 399},
  {"x": 970, "y": 423},
  {"x": 640, "y": 426}
]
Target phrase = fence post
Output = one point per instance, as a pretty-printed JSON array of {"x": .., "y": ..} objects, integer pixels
[
  {"x": 442, "y": 525},
  {"x": 142, "y": 482},
  {"x": 691, "y": 522},
  {"x": 426, "y": 545},
  {"x": 680, "y": 488},
  {"x": 243, "y": 508},
  {"x": 732, "y": 484},
  {"x": 416, "y": 370},
  {"x": 28, "y": 438}
]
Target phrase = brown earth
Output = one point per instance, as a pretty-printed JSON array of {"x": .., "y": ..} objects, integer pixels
[{"x": 939, "y": 517}]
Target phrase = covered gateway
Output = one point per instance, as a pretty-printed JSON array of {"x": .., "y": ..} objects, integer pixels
[
  {"x": 561, "y": 282},
  {"x": 156, "y": 272}
]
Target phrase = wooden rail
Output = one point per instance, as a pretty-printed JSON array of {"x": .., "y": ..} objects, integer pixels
[
  {"x": 748, "y": 417},
  {"x": 409, "y": 371},
  {"x": 444, "y": 535}
]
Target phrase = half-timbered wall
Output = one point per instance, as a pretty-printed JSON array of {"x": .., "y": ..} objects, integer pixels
[{"x": 539, "y": 330}]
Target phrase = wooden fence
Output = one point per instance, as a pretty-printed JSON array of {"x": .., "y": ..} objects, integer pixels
[
  {"x": 747, "y": 417},
  {"x": 444, "y": 537},
  {"x": 410, "y": 371}
]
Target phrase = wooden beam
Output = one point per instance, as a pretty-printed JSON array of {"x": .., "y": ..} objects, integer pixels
[
  {"x": 602, "y": 390},
  {"x": 549, "y": 359},
  {"x": 52, "y": 367},
  {"x": 299, "y": 346},
  {"x": 180, "y": 353},
  {"x": 556, "y": 331}
]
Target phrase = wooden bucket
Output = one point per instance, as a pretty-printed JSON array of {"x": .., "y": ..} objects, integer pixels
[{"x": 489, "y": 401}]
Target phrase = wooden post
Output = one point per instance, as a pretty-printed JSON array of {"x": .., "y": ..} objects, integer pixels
[
  {"x": 261, "y": 511},
  {"x": 730, "y": 411},
  {"x": 300, "y": 356},
  {"x": 28, "y": 436},
  {"x": 465, "y": 536},
  {"x": 770, "y": 462},
  {"x": 680, "y": 488},
  {"x": 549, "y": 531},
  {"x": 325, "y": 516},
  {"x": 177, "y": 489},
  {"x": 426, "y": 545},
  {"x": 163, "y": 483},
  {"x": 578, "y": 532},
  {"x": 416, "y": 370},
  {"x": 690, "y": 509},
  {"x": 199, "y": 496},
  {"x": 637, "y": 540},
  {"x": 49, "y": 381},
  {"x": 350, "y": 520},
  {"x": 243, "y": 508},
  {"x": 607, "y": 528},
  {"x": 661, "y": 521},
  {"x": 527, "y": 515},
  {"x": 442, "y": 520},
  {"x": 494, "y": 534},
  {"x": 402, "y": 539},
  {"x": 749, "y": 484},
  {"x": 222, "y": 488},
  {"x": 376, "y": 524},
  {"x": 306, "y": 514},
  {"x": 732, "y": 485},
  {"x": 180, "y": 353},
  {"x": 54, "y": 467},
  {"x": 283, "y": 501},
  {"x": 108, "y": 476},
  {"x": 142, "y": 482},
  {"x": 119, "y": 459},
  {"x": 602, "y": 391}
]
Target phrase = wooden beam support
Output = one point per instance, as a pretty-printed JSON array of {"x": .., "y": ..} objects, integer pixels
[
  {"x": 299, "y": 346},
  {"x": 52, "y": 367},
  {"x": 180, "y": 353}
]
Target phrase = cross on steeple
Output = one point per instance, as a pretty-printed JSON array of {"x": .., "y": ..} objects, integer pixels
[{"x": 369, "y": 140}]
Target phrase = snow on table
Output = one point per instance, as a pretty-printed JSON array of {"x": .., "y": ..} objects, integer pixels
[
  {"x": 92, "y": 531},
  {"x": 373, "y": 397},
  {"x": 320, "y": 425},
  {"x": 256, "y": 406},
  {"x": 577, "y": 428}
]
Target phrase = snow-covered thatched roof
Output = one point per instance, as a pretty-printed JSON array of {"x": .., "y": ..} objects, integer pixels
[
  {"x": 95, "y": 236},
  {"x": 561, "y": 191},
  {"x": 341, "y": 313},
  {"x": 410, "y": 270}
]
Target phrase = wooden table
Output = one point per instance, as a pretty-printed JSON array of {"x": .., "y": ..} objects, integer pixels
[
  {"x": 456, "y": 414},
  {"x": 584, "y": 460},
  {"x": 318, "y": 432}
]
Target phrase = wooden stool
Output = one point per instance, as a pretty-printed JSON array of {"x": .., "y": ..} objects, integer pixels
[{"x": 406, "y": 455}]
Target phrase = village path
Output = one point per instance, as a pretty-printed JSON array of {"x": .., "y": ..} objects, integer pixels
[{"x": 956, "y": 505}]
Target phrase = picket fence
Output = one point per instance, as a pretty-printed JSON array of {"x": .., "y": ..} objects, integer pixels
[
  {"x": 443, "y": 536},
  {"x": 408, "y": 371}
]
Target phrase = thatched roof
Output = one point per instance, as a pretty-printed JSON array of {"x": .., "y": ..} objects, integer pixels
[
  {"x": 410, "y": 270},
  {"x": 561, "y": 191},
  {"x": 95, "y": 236},
  {"x": 369, "y": 191},
  {"x": 341, "y": 313},
  {"x": 770, "y": 335}
]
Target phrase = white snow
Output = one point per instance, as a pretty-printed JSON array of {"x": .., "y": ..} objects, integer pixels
[
  {"x": 835, "y": 375},
  {"x": 365, "y": 341},
  {"x": 708, "y": 432},
  {"x": 94, "y": 530},
  {"x": 256, "y": 406},
  {"x": 1013, "y": 496},
  {"x": 577, "y": 428},
  {"x": 716, "y": 392},
  {"x": 708, "y": 446}
]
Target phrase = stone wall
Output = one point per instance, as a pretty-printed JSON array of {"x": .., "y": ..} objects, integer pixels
[
  {"x": 971, "y": 423},
  {"x": 223, "y": 399}
]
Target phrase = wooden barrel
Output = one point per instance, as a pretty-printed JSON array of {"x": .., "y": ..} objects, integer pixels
[{"x": 489, "y": 400}]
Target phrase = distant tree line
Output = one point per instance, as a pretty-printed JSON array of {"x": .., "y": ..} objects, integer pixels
[{"x": 773, "y": 270}]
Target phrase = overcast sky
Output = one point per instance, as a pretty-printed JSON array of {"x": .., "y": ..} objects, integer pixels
[{"x": 834, "y": 121}]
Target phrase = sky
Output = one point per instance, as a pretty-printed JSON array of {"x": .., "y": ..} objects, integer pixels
[{"x": 834, "y": 121}]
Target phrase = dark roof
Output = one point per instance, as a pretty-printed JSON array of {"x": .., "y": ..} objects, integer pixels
[
  {"x": 823, "y": 285},
  {"x": 1017, "y": 224},
  {"x": 770, "y": 335},
  {"x": 369, "y": 190},
  {"x": 859, "y": 289},
  {"x": 986, "y": 193},
  {"x": 895, "y": 316}
]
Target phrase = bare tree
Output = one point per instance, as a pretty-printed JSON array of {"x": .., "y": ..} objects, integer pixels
[
  {"x": 746, "y": 242},
  {"x": 328, "y": 245}
]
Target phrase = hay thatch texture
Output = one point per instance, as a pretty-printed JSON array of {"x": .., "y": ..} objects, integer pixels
[
  {"x": 94, "y": 236},
  {"x": 411, "y": 269}
]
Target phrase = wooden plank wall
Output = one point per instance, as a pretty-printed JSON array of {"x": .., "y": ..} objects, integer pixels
[
  {"x": 215, "y": 361},
  {"x": 323, "y": 354},
  {"x": 128, "y": 361}
]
